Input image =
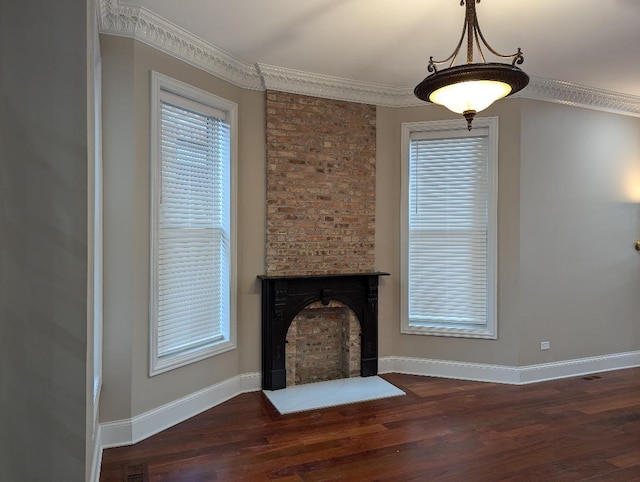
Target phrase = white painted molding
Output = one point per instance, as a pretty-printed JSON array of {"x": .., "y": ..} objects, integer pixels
[
  {"x": 478, "y": 372},
  {"x": 116, "y": 18},
  {"x": 140, "y": 427},
  {"x": 506, "y": 374},
  {"x": 578, "y": 367},
  {"x": 141, "y": 24},
  {"x": 328, "y": 87},
  {"x": 96, "y": 457},
  {"x": 575, "y": 95},
  {"x": 556, "y": 91}
]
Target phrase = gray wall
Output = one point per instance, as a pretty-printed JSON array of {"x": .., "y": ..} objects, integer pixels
[
  {"x": 568, "y": 218},
  {"x": 579, "y": 272},
  {"x": 504, "y": 350},
  {"x": 127, "y": 389},
  {"x": 43, "y": 240},
  {"x": 567, "y": 271}
]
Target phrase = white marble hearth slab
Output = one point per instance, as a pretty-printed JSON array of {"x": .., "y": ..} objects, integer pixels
[{"x": 330, "y": 393}]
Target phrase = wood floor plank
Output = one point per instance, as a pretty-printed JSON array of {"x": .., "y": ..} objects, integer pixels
[
  {"x": 442, "y": 430},
  {"x": 628, "y": 459}
]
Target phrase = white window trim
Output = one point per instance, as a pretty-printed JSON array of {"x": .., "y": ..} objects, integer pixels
[
  {"x": 162, "y": 83},
  {"x": 490, "y": 330}
]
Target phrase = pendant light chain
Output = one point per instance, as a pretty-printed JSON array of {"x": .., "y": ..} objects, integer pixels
[{"x": 470, "y": 19}]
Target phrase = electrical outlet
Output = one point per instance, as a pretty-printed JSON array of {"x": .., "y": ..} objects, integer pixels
[{"x": 545, "y": 345}]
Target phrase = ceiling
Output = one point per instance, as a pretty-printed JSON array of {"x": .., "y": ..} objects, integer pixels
[{"x": 593, "y": 43}]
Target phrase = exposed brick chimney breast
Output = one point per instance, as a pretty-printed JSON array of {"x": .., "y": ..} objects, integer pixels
[{"x": 321, "y": 168}]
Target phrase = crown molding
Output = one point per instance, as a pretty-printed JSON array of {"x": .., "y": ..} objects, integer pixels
[
  {"x": 549, "y": 90},
  {"x": 567, "y": 93},
  {"x": 117, "y": 18},
  {"x": 141, "y": 24},
  {"x": 329, "y": 87}
]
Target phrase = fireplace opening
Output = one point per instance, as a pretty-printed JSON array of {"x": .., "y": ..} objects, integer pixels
[
  {"x": 284, "y": 297},
  {"x": 323, "y": 343}
]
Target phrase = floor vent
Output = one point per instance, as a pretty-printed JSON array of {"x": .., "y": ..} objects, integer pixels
[{"x": 135, "y": 473}]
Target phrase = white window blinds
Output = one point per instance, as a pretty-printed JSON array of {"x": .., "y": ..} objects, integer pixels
[
  {"x": 193, "y": 242},
  {"x": 448, "y": 229},
  {"x": 191, "y": 299}
]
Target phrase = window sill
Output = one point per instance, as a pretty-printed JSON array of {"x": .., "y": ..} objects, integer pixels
[
  {"x": 481, "y": 332},
  {"x": 168, "y": 363}
]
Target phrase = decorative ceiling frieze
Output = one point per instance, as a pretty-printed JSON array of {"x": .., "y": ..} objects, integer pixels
[
  {"x": 141, "y": 24},
  {"x": 575, "y": 95},
  {"x": 145, "y": 26},
  {"x": 316, "y": 85}
]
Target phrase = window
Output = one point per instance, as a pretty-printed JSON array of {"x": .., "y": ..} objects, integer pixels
[
  {"x": 192, "y": 299},
  {"x": 449, "y": 217}
]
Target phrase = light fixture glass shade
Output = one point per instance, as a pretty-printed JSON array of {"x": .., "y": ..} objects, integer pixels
[
  {"x": 468, "y": 89},
  {"x": 474, "y": 95}
]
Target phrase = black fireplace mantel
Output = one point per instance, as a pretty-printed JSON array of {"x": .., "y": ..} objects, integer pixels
[{"x": 283, "y": 297}]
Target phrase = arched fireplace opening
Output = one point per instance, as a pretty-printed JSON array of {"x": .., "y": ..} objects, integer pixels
[
  {"x": 283, "y": 297},
  {"x": 323, "y": 343}
]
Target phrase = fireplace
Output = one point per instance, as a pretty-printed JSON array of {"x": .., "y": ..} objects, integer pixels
[{"x": 283, "y": 297}]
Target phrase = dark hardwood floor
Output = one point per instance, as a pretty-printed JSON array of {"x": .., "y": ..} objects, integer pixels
[{"x": 442, "y": 430}]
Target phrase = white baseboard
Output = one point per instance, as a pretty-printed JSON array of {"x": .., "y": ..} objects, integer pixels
[
  {"x": 578, "y": 367},
  {"x": 506, "y": 374},
  {"x": 448, "y": 369},
  {"x": 128, "y": 432}
]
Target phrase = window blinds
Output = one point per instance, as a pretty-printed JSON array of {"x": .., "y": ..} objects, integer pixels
[
  {"x": 448, "y": 206},
  {"x": 193, "y": 237}
]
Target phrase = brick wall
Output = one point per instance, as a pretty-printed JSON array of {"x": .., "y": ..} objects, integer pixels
[
  {"x": 323, "y": 343},
  {"x": 320, "y": 185}
]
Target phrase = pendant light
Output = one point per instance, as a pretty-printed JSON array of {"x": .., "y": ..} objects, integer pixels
[{"x": 467, "y": 89}]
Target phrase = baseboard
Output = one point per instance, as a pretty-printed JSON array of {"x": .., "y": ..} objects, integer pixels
[
  {"x": 127, "y": 432},
  {"x": 131, "y": 431},
  {"x": 578, "y": 367},
  {"x": 449, "y": 369},
  {"x": 508, "y": 374}
]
